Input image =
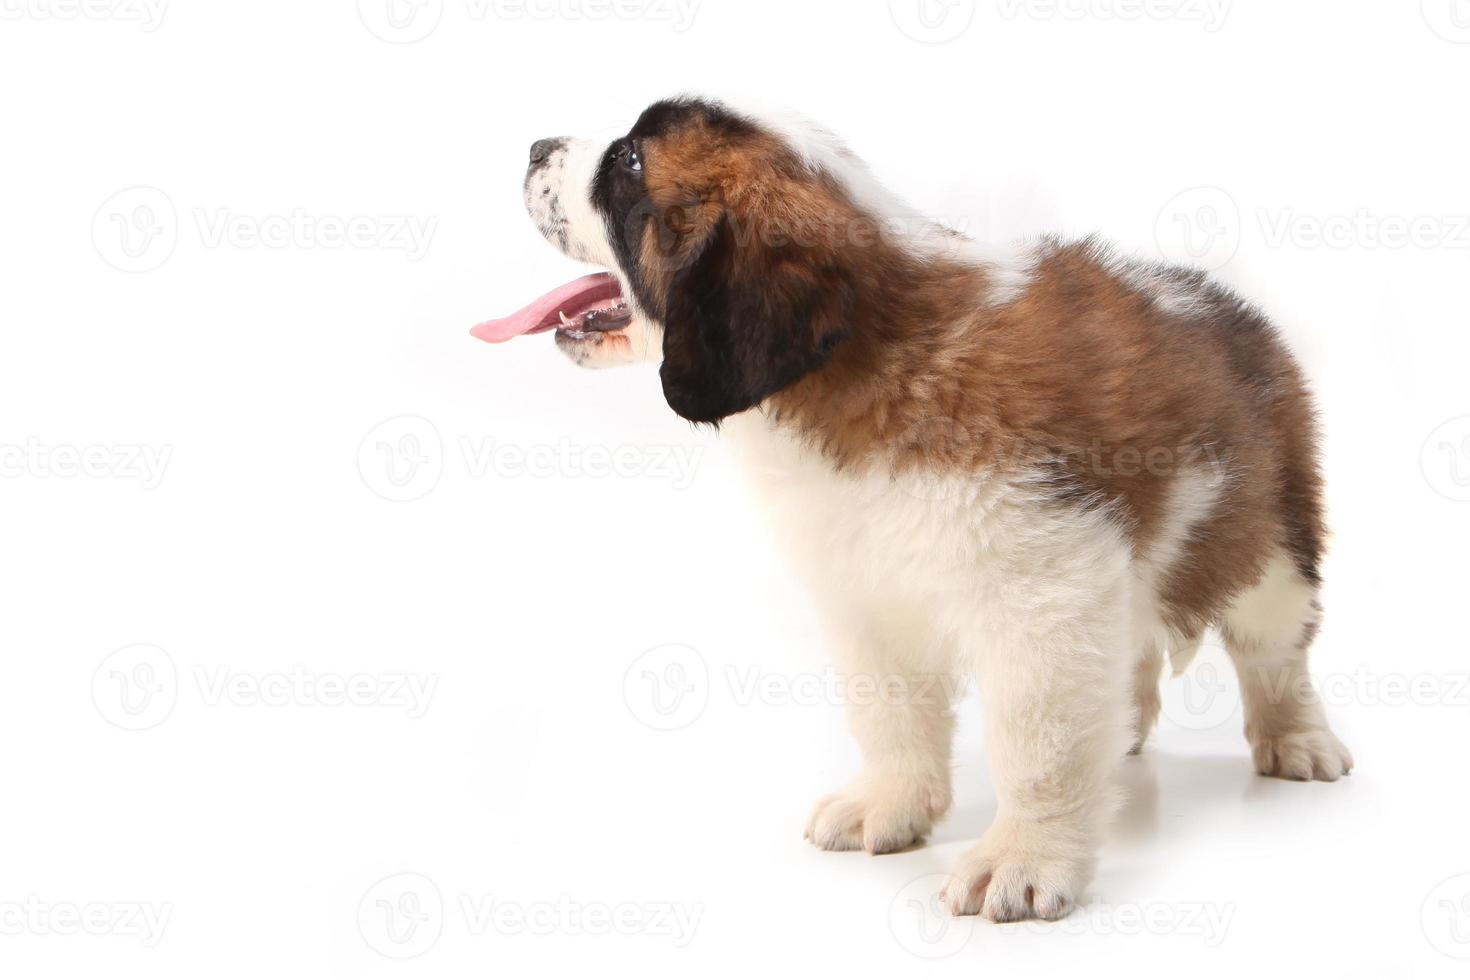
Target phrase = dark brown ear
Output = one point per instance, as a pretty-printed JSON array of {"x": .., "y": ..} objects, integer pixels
[{"x": 744, "y": 319}]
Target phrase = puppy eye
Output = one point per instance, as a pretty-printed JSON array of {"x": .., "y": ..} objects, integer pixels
[{"x": 631, "y": 159}]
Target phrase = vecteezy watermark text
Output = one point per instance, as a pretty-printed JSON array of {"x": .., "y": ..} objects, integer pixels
[
  {"x": 1205, "y": 226},
  {"x": 403, "y": 915},
  {"x": 147, "y": 14},
  {"x": 567, "y": 916},
  {"x": 1363, "y": 229},
  {"x": 408, "y": 21},
  {"x": 669, "y": 687},
  {"x": 138, "y": 229},
  {"x": 407, "y": 233},
  {"x": 1210, "y": 14},
  {"x": 921, "y": 924},
  {"x": 403, "y": 458},
  {"x": 138, "y": 686},
  {"x": 35, "y": 916},
  {"x": 125, "y": 461},
  {"x": 222, "y": 685}
]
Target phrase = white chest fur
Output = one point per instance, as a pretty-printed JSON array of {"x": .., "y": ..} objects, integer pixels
[{"x": 938, "y": 558}]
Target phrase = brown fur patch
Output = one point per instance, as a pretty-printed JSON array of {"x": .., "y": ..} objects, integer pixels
[{"x": 1084, "y": 383}]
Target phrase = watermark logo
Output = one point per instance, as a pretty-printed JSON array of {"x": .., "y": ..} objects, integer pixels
[
  {"x": 402, "y": 458},
  {"x": 932, "y": 21},
  {"x": 1445, "y": 917},
  {"x": 136, "y": 229},
  {"x": 147, "y": 14},
  {"x": 400, "y": 21},
  {"x": 1445, "y": 459},
  {"x": 668, "y": 687},
  {"x": 1200, "y": 226},
  {"x": 1204, "y": 697},
  {"x": 136, "y": 687},
  {"x": 921, "y": 924},
  {"x": 401, "y": 916},
  {"x": 1450, "y": 19}
]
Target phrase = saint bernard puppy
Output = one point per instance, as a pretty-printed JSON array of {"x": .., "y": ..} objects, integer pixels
[{"x": 1040, "y": 470}]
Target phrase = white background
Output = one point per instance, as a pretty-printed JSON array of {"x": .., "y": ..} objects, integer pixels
[{"x": 292, "y": 389}]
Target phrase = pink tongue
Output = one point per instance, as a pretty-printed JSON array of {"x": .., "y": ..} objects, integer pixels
[{"x": 572, "y": 298}]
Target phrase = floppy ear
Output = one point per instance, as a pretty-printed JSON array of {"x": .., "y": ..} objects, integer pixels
[{"x": 745, "y": 320}]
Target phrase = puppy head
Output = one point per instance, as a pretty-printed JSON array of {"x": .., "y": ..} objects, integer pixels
[{"x": 734, "y": 246}]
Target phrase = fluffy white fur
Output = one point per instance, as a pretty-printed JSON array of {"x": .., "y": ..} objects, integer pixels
[{"x": 978, "y": 578}]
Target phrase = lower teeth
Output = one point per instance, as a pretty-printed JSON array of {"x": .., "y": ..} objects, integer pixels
[{"x": 595, "y": 321}]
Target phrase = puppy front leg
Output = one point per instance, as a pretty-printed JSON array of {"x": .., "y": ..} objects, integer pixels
[
  {"x": 903, "y": 722},
  {"x": 1054, "y": 686}
]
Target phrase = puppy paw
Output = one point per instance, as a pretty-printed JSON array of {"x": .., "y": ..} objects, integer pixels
[
  {"x": 1312, "y": 754},
  {"x": 876, "y": 814},
  {"x": 1009, "y": 875}
]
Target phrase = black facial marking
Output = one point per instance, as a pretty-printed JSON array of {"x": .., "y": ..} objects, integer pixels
[
  {"x": 616, "y": 195},
  {"x": 618, "y": 192}
]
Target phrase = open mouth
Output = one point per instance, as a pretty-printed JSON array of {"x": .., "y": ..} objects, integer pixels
[{"x": 582, "y": 308}]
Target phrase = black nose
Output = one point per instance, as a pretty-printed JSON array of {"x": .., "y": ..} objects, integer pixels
[{"x": 541, "y": 149}]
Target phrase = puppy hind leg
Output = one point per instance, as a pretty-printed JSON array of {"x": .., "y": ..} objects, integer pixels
[{"x": 1267, "y": 632}]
